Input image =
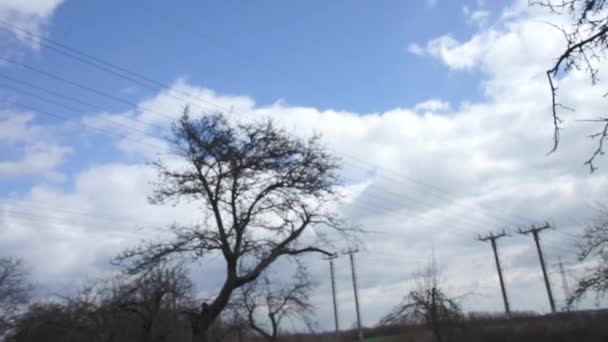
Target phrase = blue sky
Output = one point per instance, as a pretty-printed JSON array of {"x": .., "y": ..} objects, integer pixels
[
  {"x": 450, "y": 94},
  {"x": 342, "y": 55},
  {"x": 348, "y": 55}
]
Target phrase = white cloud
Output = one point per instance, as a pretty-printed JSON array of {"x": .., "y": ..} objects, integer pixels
[
  {"x": 478, "y": 16},
  {"x": 39, "y": 153},
  {"x": 415, "y": 49},
  {"x": 488, "y": 154},
  {"x": 38, "y": 159},
  {"x": 455, "y": 54},
  {"x": 28, "y": 15},
  {"x": 433, "y": 105},
  {"x": 487, "y": 158}
]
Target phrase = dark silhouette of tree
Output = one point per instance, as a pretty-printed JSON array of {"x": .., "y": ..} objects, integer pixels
[
  {"x": 148, "y": 309},
  {"x": 428, "y": 304},
  {"x": 76, "y": 319},
  {"x": 231, "y": 325},
  {"x": 593, "y": 247},
  {"x": 155, "y": 299},
  {"x": 586, "y": 44},
  {"x": 266, "y": 304},
  {"x": 14, "y": 291},
  {"x": 260, "y": 190}
]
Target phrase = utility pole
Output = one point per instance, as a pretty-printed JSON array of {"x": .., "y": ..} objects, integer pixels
[
  {"x": 535, "y": 230},
  {"x": 492, "y": 238},
  {"x": 565, "y": 286},
  {"x": 352, "y": 267},
  {"x": 333, "y": 292}
]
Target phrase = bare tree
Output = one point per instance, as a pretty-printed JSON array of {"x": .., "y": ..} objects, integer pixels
[
  {"x": 147, "y": 308},
  {"x": 260, "y": 188},
  {"x": 231, "y": 325},
  {"x": 427, "y": 303},
  {"x": 586, "y": 44},
  {"x": 593, "y": 247},
  {"x": 266, "y": 303},
  {"x": 79, "y": 318},
  {"x": 14, "y": 290},
  {"x": 154, "y": 298}
]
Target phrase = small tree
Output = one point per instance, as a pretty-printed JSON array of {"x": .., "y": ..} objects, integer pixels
[
  {"x": 266, "y": 304},
  {"x": 427, "y": 304},
  {"x": 14, "y": 291},
  {"x": 78, "y": 318},
  {"x": 593, "y": 247},
  {"x": 586, "y": 44},
  {"x": 261, "y": 190},
  {"x": 155, "y": 299},
  {"x": 146, "y": 309}
]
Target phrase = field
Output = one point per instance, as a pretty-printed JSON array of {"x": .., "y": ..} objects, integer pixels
[{"x": 588, "y": 326}]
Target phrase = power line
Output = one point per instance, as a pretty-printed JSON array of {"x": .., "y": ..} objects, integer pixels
[
  {"x": 358, "y": 203},
  {"x": 261, "y": 61},
  {"x": 105, "y": 94},
  {"x": 138, "y": 78},
  {"x": 61, "y": 117},
  {"x": 112, "y": 133},
  {"x": 128, "y": 127},
  {"x": 134, "y": 76},
  {"x": 373, "y": 207},
  {"x": 45, "y": 206},
  {"x": 80, "y": 86},
  {"x": 70, "y": 108},
  {"x": 45, "y": 219},
  {"x": 102, "y": 65}
]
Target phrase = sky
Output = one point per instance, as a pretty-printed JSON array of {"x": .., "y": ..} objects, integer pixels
[{"x": 439, "y": 111}]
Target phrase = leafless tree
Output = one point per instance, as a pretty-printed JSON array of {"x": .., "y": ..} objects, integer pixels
[
  {"x": 154, "y": 297},
  {"x": 266, "y": 304},
  {"x": 147, "y": 308},
  {"x": 77, "y": 319},
  {"x": 593, "y": 247},
  {"x": 231, "y": 325},
  {"x": 260, "y": 188},
  {"x": 14, "y": 290},
  {"x": 427, "y": 303},
  {"x": 586, "y": 44}
]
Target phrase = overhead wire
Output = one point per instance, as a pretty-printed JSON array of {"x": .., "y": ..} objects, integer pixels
[
  {"x": 71, "y": 52},
  {"x": 100, "y": 64},
  {"x": 380, "y": 199},
  {"x": 102, "y": 130}
]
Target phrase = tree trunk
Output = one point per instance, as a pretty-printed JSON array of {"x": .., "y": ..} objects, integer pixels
[{"x": 209, "y": 313}]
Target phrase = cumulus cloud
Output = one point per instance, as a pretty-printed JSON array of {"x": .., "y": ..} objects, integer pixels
[
  {"x": 433, "y": 105},
  {"x": 477, "y": 16},
  {"x": 39, "y": 153},
  {"x": 429, "y": 176},
  {"x": 422, "y": 177},
  {"x": 37, "y": 159},
  {"x": 29, "y": 15},
  {"x": 415, "y": 49}
]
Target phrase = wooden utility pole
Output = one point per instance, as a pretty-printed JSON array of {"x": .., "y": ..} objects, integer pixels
[
  {"x": 333, "y": 292},
  {"x": 352, "y": 267},
  {"x": 492, "y": 238},
  {"x": 565, "y": 286},
  {"x": 535, "y": 230}
]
